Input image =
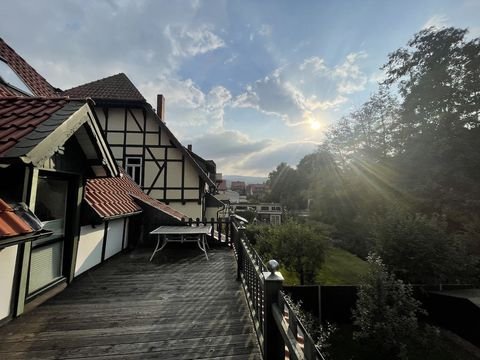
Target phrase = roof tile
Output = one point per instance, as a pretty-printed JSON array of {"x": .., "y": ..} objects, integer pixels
[
  {"x": 35, "y": 82},
  {"x": 116, "y": 87},
  {"x": 19, "y": 116},
  {"x": 116, "y": 196},
  {"x": 10, "y": 223}
]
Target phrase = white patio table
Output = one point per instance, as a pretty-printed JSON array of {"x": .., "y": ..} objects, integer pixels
[{"x": 181, "y": 234}]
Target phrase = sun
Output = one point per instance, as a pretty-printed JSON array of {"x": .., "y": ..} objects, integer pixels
[{"x": 315, "y": 125}]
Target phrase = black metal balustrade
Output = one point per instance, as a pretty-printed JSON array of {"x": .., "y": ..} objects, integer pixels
[{"x": 279, "y": 331}]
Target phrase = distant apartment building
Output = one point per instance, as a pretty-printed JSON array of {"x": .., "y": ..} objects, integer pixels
[{"x": 238, "y": 186}]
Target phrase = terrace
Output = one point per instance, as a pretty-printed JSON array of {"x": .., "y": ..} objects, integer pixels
[{"x": 179, "y": 306}]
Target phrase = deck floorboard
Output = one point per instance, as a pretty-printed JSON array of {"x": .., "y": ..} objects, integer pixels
[{"x": 180, "y": 306}]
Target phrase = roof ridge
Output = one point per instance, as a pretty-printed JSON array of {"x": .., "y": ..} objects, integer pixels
[{"x": 96, "y": 81}]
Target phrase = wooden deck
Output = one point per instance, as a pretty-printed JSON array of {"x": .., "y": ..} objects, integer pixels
[{"x": 180, "y": 306}]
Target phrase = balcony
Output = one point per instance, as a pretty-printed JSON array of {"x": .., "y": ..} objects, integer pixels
[{"x": 176, "y": 307}]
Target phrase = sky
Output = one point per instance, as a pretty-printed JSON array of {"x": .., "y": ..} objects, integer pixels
[{"x": 248, "y": 83}]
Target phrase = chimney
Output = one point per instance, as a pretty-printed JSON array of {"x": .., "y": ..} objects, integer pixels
[
  {"x": 189, "y": 147},
  {"x": 161, "y": 107}
]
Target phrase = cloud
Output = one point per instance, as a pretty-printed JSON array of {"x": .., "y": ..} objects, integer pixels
[
  {"x": 291, "y": 92},
  {"x": 437, "y": 21},
  {"x": 262, "y": 162},
  {"x": 265, "y": 30},
  {"x": 316, "y": 64},
  {"x": 188, "y": 108},
  {"x": 186, "y": 41}
]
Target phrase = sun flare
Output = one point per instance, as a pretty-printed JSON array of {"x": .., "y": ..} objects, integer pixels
[{"x": 314, "y": 125}]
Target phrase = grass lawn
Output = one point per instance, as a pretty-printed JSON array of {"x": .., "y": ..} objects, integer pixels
[{"x": 340, "y": 268}]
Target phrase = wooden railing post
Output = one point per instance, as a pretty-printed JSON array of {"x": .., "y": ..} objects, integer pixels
[{"x": 273, "y": 345}]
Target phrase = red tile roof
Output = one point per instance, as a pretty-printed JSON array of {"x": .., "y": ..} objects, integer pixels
[
  {"x": 116, "y": 87},
  {"x": 116, "y": 196},
  {"x": 19, "y": 116},
  {"x": 6, "y": 90},
  {"x": 10, "y": 223},
  {"x": 35, "y": 82}
]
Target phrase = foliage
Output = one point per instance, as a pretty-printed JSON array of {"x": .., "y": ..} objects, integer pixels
[
  {"x": 418, "y": 248},
  {"x": 415, "y": 145},
  {"x": 386, "y": 313},
  {"x": 295, "y": 246},
  {"x": 320, "y": 333},
  {"x": 283, "y": 183}
]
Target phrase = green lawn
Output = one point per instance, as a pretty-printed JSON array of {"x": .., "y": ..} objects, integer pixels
[{"x": 340, "y": 268}]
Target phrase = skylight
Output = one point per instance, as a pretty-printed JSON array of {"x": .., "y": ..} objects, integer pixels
[{"x": 9, "y": 76}]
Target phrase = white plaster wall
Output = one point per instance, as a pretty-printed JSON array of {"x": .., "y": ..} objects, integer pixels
[
  {"x": 89, "y": 248},
  {"x": 114, "y": 238},
  {"x": 7, "y": 271},
  {"x": 191, "y": 209},
  {"x": 211, "y": 212}
]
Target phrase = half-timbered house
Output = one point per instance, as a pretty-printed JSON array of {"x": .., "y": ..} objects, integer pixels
[{"x": 145, "y": 147}]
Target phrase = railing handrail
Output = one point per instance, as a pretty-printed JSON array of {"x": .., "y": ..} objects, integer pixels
[{"x": 267, "y": 304}]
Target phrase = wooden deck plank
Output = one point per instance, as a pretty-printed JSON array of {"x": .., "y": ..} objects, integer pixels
[{"x": 178, "y": 306}]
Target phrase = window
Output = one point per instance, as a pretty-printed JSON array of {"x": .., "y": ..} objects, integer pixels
[
  {"x": 276, "y": 208},
  {"x": 275, "y": 219},
  {"x": 133, "y": 166},
  {"x": 10, "y": 77},
  {"x": 264, "y": 208}
]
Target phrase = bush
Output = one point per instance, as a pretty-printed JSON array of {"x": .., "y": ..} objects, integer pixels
[
  {"x": 386, "y": 314},
  {"x": 418, "y": 248},
  {"x": 297, "y": 247}
]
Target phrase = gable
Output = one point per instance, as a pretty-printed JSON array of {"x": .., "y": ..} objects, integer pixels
[{"x": 35, "y": 129}]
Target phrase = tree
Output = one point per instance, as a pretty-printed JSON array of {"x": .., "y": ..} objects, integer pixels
[
  {"x": 417, "y": 248},
  {"x": 297, "y": 247},
  {"x": 386, "y": 313},
  {"x": 284, "y": 187}
]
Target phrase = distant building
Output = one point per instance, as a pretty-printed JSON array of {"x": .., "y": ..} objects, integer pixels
[
  {"x": 256, "y": 189},
  {"x": 238, "y": 186},
  {"x": 232, "y": 197},
  {"x": 264, "y": 213},
  {"x": 220, "y": 183}
]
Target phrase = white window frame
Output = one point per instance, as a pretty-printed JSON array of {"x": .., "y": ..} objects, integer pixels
[{"x": 131, "y": 166}]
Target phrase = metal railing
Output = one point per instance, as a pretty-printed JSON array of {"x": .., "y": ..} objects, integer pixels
[
  {"x": 221, "y": 228},
  {"x": 279, "y": 330}
]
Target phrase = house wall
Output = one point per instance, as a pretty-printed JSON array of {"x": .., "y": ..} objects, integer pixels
[
  {"x": 211, "y": 212},
  {"x": 99, "y": 243},
  {"x": 90, "y": 245},
  {"x": 167, "y": 175},
  {"x": 114, "y": 240},
  {"x": 8, "y": 258}
]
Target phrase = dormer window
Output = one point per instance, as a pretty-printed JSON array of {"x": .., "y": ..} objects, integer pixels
[{"x": 10, "y": 77}]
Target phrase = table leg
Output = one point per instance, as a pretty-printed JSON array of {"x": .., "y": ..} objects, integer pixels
[
  {"x": 157, "y": 248},
  {"x": 200, "y": 242}
]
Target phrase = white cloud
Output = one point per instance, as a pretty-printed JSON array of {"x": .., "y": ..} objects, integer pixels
[
  {"x": 437, "y": 21},
  {"x": 262, "y": 162},
  {"x": 291, "y": 92},
  {"x": 265, "y": 30},
  {"x": 316, "y": 64},
  {"x": 186, "y": 41},
  {"x": 187, "y": 106}
]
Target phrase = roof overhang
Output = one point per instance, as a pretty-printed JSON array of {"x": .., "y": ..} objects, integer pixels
[{"x": 57, "y": 138}]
